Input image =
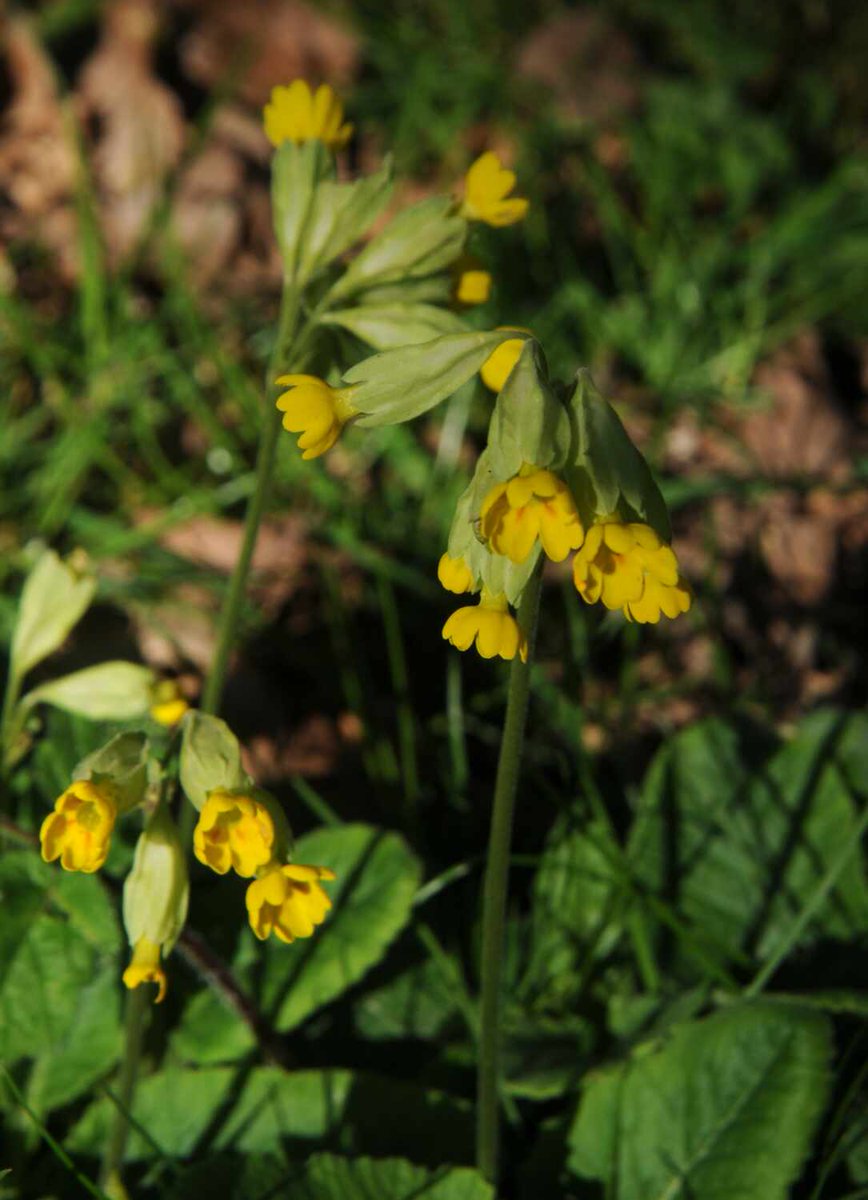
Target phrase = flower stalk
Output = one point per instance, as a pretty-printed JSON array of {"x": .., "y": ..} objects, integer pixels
[{"x": 496, "y": 886}]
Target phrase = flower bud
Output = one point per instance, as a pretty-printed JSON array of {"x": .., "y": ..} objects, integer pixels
[{"x": 155, "y": 900}]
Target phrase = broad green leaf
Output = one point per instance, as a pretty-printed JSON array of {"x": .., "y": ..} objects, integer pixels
[
  {"x": 110, "y": 691},
  {"x": 210, "y": 757},
  {"x": 398, "y": 385},
  {"x": 54, "y": 598},
  {"x": 377, "y": 878},
  {"x": 329, "y": 1177},
  {"x": 418, "y": 1003},
  {"x": 724, "y": 1109},
  {"x": 744, "y": 839},
  {"x": 388, "y": 326}
]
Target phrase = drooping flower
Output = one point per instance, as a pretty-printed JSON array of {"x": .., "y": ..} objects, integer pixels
[
  {"x": 472, "y": 285},
  {"x": 156, "y": 893},
  {"x": 315, "y": 410},
  {"x": 295, "y": 114},
  {"x": 626, "y": 565},
  {"x": 486, "y": 193},
  {"x": 79, "y": 830},
  {"x": 145, "y": 967},
  {"x": 498, "y": 367},
  {"x": 167, "y": 703},
  {"x": 490, "y": 625},
  {"x": 533, "y": 504},
  {"x": 454, "y": 574},
  {"x": 234, "y": 830},
  {"x": 288, "y": 901}
]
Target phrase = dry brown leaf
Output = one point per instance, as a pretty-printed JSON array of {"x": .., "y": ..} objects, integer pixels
[
  {"x": 267, "y": 43},
  {"x": 139, "y": 121}
]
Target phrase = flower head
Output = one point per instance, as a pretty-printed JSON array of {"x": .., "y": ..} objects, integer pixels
[
  {"x": 627, "y": 566},
  {"x": 486, "y": 190},
  {"x": 490, "y": 625},
  {"x": 316, "y": 411},
  {"x": 234, "y": 830},
  {"x": 295, "y": 114},
  {"x": 288, "y": 901},
  {"x": 497, "y": 368},
  {"x": 454, "y": 574},
  {"x": 167, "y": 703},
  {"x": 472, "y": 285},
  {"x": 145, "y": 967},
  {"x": 533, "y": 504},
  {"x": 79, "y": 830}
]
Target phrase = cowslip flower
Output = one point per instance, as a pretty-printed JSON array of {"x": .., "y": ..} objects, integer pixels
[
  {"x": 533, "y": 504},
  {"x": 79, "y": 830},
  {"x": 167, "y": 703},
  {"x": 234, "y": 830},
  {"x": 498, "y": 367},
  {"x": 454, "y": 574},
  {"x": 314, "y": 410},
  {"x": 295, "y": 114},
  {"x": 288, "y": 901},
  {"x": 490, "y": 625},
  {"x": 486, "y": 193},
  {"x": 156, "y": 893},
  {"x": 472, "y": 286},
  {"x": 627, "y": 566}
]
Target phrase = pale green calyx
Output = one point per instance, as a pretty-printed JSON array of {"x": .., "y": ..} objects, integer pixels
[{"x": 157, "y": 888}]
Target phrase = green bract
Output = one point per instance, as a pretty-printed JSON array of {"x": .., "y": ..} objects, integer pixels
[
  {"x": 157, "y": 888},
  {"x": 529, "y": 425},
  {"x": 55, "y": 597},
  {"x": 210, "y": 758},
  {"x": 341, "y": 214},
  {"x": 388, "y": 326},
  {"x": 110, "y": 691},
  {"x": 124, "y": 761},
  {"x": 296, "y": 172}
]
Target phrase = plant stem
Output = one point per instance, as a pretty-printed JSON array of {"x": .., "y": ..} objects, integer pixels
[
  {"x": 213, "y": 691},
  {"x": 134, "y": 1029},
  {"x": 495, "y": 890}
]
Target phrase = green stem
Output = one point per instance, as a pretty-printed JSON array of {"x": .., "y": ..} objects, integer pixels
[
  {"x": 134, "y": 1031},
  {"x": 264, "y": 465},
  {"x": 7, "y": 719},
  {"x": 495, "y": 891}
]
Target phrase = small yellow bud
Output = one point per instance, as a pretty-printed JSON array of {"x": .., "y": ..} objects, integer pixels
[
  {"x": 316, "y": 411},
  {"x": 288, "y": 901},
  {"x": 454, "y": 574},
  {"x": 167, "y": 703},
  {"x": 533, "y": 504},
  {"x": 490, "y": 625},
  {"x": 498, "y": 367},
  {"x": 234, "y": 830},
  {"x": 472, "y": 286},
  {"x": 79, "y": 830},
  {"x": 627, "y": 566},
  {"x": 295, "y": 114},
  {"x": 156, "y": 892},
  {"x": 486, "y": 188}
]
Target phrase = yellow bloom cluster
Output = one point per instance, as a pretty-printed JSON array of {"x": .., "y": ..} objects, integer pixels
[
  {"x": 288, "y": 901},
  {"x": 627, "y": 566},
  {"x": 315, "y": 410},
  {"x": 533, "y": 504},
  {"x": 295, "y": 114},
  {"x": 490, "y": 625},
  {"x": 79, "y": 830},
  {"x": 486, "y": 193}
]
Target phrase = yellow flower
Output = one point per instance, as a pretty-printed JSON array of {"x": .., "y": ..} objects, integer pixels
[
  {"x": 288, "y": 901},
  {"x": 295, "y": 114},
  {"x": 627, "y": 566},
  {"x": 486, "y": 188},
  {"x": 79, "y": 830},
  {"x": 490, "y": 624},
  {"x": 145, "y": 967},
  {"x": 533, "y": 504},
  {"x": 497, "y": 368},
  {"x": 472, "y": 286},
  {"x": 167, "y": 703},
  {"x": 234, "y": 830},
  {"x": 316, "y": 411},
  {"x": 454, "y": 574}
]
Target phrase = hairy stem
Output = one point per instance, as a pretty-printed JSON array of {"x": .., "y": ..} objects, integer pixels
[{"x": 495, "y": 891}]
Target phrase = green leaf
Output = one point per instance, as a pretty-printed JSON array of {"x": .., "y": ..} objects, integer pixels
[
  {"x": 54, "y": 598},
  {"x": 329, "y": 1177},
  {"x": 716, "y": 807},
  {"x": 726, "y": 1107},
  {"x": 389, "y": 326},
  {"x": 421, "y": 240},
  {"x": 377, "y": 879},
  {"x": 398, "y": 385},
  {"x": 210, "y": 756},
  {"x": 418, "y": 1003},
  {"x": 110, "y": 691},
  {"x": 341, "y": 215}
]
